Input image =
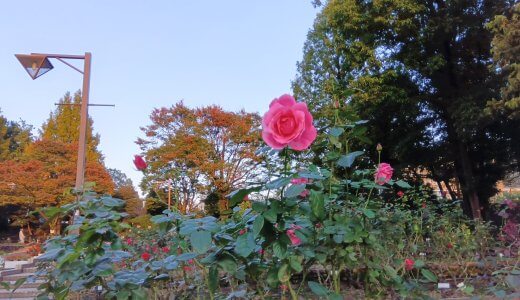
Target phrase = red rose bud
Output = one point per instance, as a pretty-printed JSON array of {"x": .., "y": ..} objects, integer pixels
[
  {"x": 400, "y": 194},
  {"x": 261, "y": 251},
  {"x": 424, "y": 205},
  {"x": 242, "y": 231},
  {"x": 165, "y": 249},
  {"x": 449, "y": 246},
  {"x": 408, "y": 264},
  {"x": 146, "y": 256},
  {"x": 139, "y": 163}
]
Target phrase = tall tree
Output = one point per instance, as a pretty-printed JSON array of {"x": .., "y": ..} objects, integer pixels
[
  {"x": 14, "y": 138},
  {"x": 63, "y": 126},
  {"x": 203, "y": 150},
  {"x": 506, "y": 55},
  {"x": 419, "y": 71}
]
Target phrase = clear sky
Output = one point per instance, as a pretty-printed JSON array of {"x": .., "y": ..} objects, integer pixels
[{"x": 147, "y": 54}]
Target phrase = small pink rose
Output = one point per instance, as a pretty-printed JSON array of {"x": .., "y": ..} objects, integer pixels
[
  {"x": 383, "y": 173},
  {"x": 295, "y": 240},
  {"x": 288, "y": 123}
]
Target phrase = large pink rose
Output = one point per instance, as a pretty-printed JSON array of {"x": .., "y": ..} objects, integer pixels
[
  {"x": 288, "y": 123},
  {"x": 383, "y": 173}
]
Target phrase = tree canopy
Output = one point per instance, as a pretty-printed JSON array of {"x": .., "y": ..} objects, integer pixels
[
  {"x": 202, "y": 150},
  {"x": 419, "y": 71}
]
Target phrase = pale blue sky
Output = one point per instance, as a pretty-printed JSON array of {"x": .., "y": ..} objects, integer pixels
[{"x": 147, "y": 54}]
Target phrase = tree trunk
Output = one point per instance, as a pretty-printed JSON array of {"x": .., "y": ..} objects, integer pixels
[
  {"x": 450, "y": 190},
  {"x": 466, "y": 180}
]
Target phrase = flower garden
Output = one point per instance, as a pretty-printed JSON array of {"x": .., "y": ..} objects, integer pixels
[{"x": 342, "y": 230}]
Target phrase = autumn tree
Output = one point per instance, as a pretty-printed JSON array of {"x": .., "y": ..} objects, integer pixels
[
  {"x": 124, "y": 190},
  {"x": 419, "y": 71},
  {"x": 203, "y": 150},
  {"x": 63, "y": 126},
  {"x": 14, "y": 137}
]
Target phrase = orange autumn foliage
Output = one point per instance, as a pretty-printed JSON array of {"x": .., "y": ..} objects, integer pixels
[
  {"x": 44, "y": 173},
  {"x": 203, "y": 150}
]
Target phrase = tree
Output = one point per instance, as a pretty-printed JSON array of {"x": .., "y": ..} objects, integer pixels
[
  {"x": 202, "y": 150},
  {"x": 63, "y": 126},
  {"x": 124, "y": 190},
  {"x": 506, "y": 55},
  {"x": 419, "y": 72},
  {"x": 14, "y": 138}
]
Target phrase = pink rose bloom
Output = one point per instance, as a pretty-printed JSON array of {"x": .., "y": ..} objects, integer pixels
[
  {"x": 295, "y": 240},
  {"x": 383, "y": 173},
  {"x": 305, "y": 193},
  {"x": 139, "y": 163},
  {"x": 288, "y": 123}
]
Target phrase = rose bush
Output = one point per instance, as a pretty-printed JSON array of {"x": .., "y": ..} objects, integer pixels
[{"x": 323, "y": 223}]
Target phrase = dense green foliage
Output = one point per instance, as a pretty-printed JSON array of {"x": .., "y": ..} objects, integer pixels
[{"x": 419, "y": 71}]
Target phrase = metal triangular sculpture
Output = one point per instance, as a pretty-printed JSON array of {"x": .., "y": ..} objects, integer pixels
[{"x": 35, "y": 65}]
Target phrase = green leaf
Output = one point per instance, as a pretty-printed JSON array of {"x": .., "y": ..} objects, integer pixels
[
  {"x": 272, "y": 277},
  {"x": 200, "y": 241},
  {"x": 258, "y": 224},
  {"x": 429, "y": 275},
  {"x": 139, "y": 294},
  {"x": 369, "y": 213},
  {"x": 336, "y": 131},
  {"x": 317, "y": 204},
  {"x": 270, "y": 215},
  {"x": 278, "y": 183},
  {"x": 238, "y": 196},
  {"x": 419, "y": 264},
  {"x": 245, "y": 244},
  {"x": 346, "y": 161},
  {"x": 335, "y": 297},
  {"x": 228, "y": 264},
  {"x": 295, "y": 264},
  {"x": 283, "y": 273},
  {"x": 318, "y": 289},
  {"x": 213, "y": 279},
  {"x": 112, "y": 202},
  {"x": 185, "y": 256},
  {"x": 403, "y": 184},
  {"x": 294, "y": 190},
  {"x": 5, "y": 285},
  {"x": 310, "y": 174},
  {"x": 391, "y": 272},
  {"x": 279, "y": 249}
]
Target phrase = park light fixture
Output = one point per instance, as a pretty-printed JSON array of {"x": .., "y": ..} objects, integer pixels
[{"x": 37, "y": 64}]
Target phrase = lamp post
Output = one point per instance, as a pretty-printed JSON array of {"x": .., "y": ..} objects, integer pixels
[{"x": 37, "y": 64}]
